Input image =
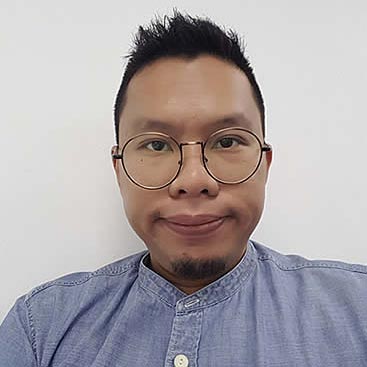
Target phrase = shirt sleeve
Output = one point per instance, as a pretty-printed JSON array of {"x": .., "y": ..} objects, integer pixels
[{"x": 15, "y": 338}]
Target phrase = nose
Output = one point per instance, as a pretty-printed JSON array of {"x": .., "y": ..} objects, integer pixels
[{"x": 193, "y": 180}]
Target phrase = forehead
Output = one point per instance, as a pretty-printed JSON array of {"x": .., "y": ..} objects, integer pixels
[{"x": 189, "y": 97}]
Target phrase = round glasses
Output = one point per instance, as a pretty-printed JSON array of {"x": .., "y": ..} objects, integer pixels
[{"x": 153, "y": 160}]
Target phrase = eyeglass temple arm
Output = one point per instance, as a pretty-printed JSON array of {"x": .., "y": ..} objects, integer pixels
[
  {"x": 117, "y": 156},
  {"x": 266, "y": 148}
]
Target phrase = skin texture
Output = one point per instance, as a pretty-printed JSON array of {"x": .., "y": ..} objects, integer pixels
[{"x": 190, "y": 95}]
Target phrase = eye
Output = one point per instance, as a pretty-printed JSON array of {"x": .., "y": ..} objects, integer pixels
[
  {"x": 158, "y": 146},
  {"x": 227, "y": 142}
]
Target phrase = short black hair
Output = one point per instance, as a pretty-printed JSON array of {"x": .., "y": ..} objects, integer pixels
[{"x": 187, "y": 37}]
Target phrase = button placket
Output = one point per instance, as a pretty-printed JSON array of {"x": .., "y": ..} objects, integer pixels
[{"x": 185, "y": 334}]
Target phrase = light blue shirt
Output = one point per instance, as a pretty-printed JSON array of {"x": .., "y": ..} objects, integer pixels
[{"x": 270, "y": 310}]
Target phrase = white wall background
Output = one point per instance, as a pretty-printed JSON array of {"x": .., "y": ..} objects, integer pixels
[{"x": 61, "y": 64}]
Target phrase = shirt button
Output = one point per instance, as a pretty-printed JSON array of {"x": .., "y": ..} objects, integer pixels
[{"x": 181, "y": 361}]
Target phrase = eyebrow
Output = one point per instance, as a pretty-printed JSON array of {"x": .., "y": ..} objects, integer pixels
[{"x": 236, "y": 119}]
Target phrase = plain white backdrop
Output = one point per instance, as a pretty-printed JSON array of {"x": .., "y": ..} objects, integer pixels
[{"x": 61, "y": 66}]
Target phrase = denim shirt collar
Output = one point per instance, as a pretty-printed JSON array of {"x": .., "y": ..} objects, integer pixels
[{"x": 214, "y": 292}]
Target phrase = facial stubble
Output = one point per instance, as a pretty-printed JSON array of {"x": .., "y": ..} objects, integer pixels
[{"x": 198, "y": 269}]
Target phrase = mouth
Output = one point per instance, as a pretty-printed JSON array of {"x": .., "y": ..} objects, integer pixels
[{"x": 194, "y": 227}]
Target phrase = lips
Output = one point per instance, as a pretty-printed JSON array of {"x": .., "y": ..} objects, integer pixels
[
  {"x": 188, "y": 225},
  {"x": 192, "y": 220}
]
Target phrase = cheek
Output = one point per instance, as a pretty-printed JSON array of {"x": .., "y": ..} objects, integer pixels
[
  {"x": 249, "y": 201},
  {"x": 133, "y": 203},
  {"x": 138, "y": 204},
  {"x": 255, "y": 189},
  {"x": 131, "y": 200}
]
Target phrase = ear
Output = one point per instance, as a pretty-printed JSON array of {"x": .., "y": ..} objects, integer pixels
[
  {"x": 115, "y": 163},
  {"x": 117, "y": 167},
  {"x": 269, "y": 159},
  {"x": 114, "y": 160},
  {"x": 269, "y": 156}
]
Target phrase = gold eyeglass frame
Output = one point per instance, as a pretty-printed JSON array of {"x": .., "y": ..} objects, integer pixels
[{"x": 263, "y": 148}]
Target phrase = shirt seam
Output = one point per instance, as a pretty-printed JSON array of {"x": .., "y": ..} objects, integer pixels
[
  {"x": 329, "y": 265},
  {"x": 158, "y": 295},
  {"x": 32, "y": 329},
  {"x": 108, "y": 272},
  {"x": 241, "y": 287},
  {"x": 245, "y": 281}
]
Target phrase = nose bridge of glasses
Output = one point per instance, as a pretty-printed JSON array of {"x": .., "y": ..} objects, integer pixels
[{"x": 191, "y": 149}]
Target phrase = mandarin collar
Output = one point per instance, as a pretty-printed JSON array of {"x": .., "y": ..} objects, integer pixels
[{"x": 212, "y": 293}]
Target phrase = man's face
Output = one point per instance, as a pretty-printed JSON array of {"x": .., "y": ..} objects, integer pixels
[{"x": 190, "y": 96}]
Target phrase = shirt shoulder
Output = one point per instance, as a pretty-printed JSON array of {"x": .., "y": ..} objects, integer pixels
[
  {"x": 295, "y": 270},
  {"x": 289, "y": 262},
  {"x": 39, "y": 318},
  {"x": 121, "y": 270}
]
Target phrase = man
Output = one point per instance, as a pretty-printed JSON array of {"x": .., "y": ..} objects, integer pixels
[{"x": 191, "y": 163}]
